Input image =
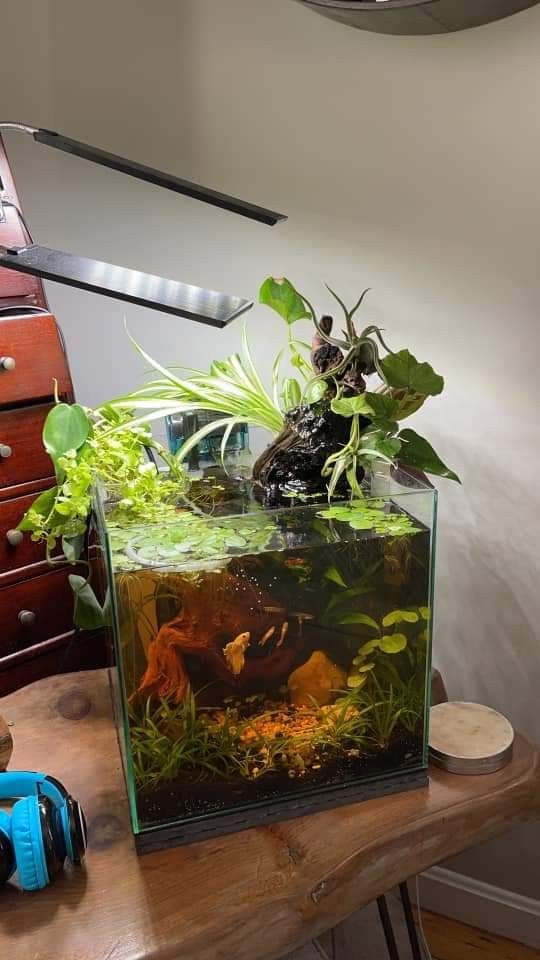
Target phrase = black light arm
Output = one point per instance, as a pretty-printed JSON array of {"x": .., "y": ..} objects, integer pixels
[
  {"x": 166, "y": 180},
  {"x": 171, "y": 296}
]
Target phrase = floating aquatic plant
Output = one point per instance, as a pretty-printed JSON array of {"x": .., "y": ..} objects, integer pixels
[{"x": 371, "y": 514}]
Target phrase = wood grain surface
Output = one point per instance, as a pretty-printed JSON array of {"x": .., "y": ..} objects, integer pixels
[
  {"x": 449, "y": 940},
  {"x": 251, "y": 896}
]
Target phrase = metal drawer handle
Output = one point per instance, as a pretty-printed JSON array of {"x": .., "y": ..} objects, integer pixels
[
  {"x": 7, "y": 363},
  {"x": 26, "y": 618},
  {"x": 5, "y": 451},
  {"x": 14, "y": 537}
]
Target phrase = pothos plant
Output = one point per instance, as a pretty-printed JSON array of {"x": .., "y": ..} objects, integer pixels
[{"x": 88, "y": 447}]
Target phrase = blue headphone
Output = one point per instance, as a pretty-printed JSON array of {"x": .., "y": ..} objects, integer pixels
[{"x": 45, "y": 827}]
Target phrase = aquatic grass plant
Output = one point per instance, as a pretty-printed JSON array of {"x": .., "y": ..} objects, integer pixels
[
  {"x": 389, "y": 709},
  {"x": 168, "y": 740}
]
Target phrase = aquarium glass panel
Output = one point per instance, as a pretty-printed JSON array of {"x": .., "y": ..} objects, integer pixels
[{"x": 267, "y": 657}]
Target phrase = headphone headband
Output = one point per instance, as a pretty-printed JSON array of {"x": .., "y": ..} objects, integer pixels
[{"x": 25, "y": 783}]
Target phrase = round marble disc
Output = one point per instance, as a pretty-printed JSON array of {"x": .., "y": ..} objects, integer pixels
[{"x": 469, "y": 738}]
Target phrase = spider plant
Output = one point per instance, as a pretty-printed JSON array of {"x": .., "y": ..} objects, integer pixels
[{"x": 232, "y": 387}]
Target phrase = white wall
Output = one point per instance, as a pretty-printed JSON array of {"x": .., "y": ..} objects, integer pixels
[{"x": 409, "y": 164}]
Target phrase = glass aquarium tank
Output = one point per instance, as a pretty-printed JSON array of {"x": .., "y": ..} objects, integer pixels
[{"x": 272, "y": 661}]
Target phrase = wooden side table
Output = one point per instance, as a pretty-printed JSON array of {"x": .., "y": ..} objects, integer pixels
[{"x": 250, "y": 896}]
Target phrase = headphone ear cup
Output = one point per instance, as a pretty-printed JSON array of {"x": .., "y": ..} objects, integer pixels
[
  {"x": 7, "y": 857},
  {"x": 28, "y": 844}
]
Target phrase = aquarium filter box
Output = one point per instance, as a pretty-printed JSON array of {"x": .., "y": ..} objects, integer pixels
[{"x": 272, "y": 662}]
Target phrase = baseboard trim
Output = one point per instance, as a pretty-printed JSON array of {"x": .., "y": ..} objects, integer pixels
[{"x": 480, "y": 904}]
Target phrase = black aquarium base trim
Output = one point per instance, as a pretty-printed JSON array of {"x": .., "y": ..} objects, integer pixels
[{"x": 172, "y": 835}]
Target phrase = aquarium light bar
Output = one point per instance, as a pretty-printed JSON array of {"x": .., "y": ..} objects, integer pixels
[
  {"x": 122, "y": 283},
  {"x": 169, "y": 296}
]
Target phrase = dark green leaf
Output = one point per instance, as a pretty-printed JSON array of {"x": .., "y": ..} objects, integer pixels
[
  {"x": 389, "y": 447},
  {"x": 361, "y": 618},
  {"x": 280, "y": 295},
  {"x": 43, "y": 504},
  {"x": 88, "y": 613},
  {"x": 72, "y": 547},
  {"x": 382, "y": 405},
  {"x": 66, "y": 428},
  {"x": 417, "y": 452},
  {"x": 402, "y": 370}
]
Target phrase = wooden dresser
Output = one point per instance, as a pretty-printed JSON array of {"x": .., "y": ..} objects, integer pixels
[{"x": 36, "y": 603}]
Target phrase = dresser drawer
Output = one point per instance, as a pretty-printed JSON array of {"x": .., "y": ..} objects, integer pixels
[
  {"x": 13, "y": 283},
  {"x": 17, "y": 554},
  {"x": 32, "y": 355},
  {"x": 22, "y": 457},
  {"x": 35, "y": 610}
]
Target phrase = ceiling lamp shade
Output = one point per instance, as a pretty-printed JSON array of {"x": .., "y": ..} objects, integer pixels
[
  {"x": 416, "y": 16},
  {"x": 134, "y": 286}
]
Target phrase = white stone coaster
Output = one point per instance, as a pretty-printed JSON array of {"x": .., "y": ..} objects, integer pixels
[{"x": 469, "y": 738}]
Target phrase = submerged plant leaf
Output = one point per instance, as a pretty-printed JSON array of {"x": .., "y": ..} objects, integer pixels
[
  {"x": 417, "y": 452},
  {"x": 356, "y": 680},
  {"x": 333, "y": 574},
  {"x": 399, "y": 616},
  {"x": 280, "y": 295},
  {"x": 393, "y": 643},
  {"x": 352, "y": 618},
  {"x": 424, "y": 612},
  {"x": 368, "y": 647},
  {"x": 402, "y": 370}
]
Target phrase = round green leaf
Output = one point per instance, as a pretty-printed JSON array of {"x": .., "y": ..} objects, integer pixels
[
  {"x": 356, "y": 680},
  {"x": 399, "y": 616},
  {"x": 393, "y": 643},
  {"x": 368, "y": 647},
  {"x": 66, "y": 428}
]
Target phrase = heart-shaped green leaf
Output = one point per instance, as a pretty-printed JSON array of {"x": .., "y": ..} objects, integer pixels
[
  {"x": 402, "y": 370},
  {"x": 280, "y": 295},
  {"x": 418, "y": 453}
]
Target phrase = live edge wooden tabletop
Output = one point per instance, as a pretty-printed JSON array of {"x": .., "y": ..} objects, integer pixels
[{"x": 251, "y": 896}]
